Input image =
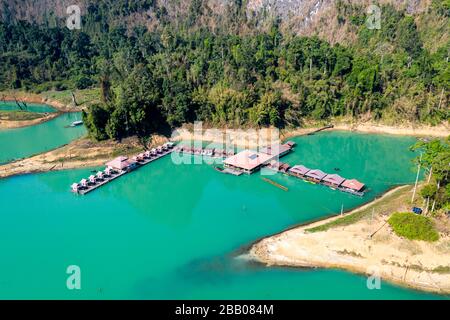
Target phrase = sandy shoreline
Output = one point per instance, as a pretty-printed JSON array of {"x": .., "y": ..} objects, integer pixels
[
  {"x": 100, "y": 152},
  {"x": 442, "y": 130},
  {"x": 81, "y": 153},
  {"x": 413, "y": 264},
  {"x": 34, "y": 98},
  {"x": 248, "y": 139},
  {"x": 11, "y": 124}
]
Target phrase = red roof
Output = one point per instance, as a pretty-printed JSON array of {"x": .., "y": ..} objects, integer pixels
[
  {"x": 120, "y": 163},
  {"x": 248, "y": 159},
  {"x": 299, "y": 169},
  {"x": 316, "y": 174},
  {"x": 353, "y": 184},
  {"x": 334, "y": 179},
  {"x": 290, "y": 143}
]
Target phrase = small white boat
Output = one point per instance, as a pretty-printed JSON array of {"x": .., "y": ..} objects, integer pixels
[{"x": 76, "y": 123}]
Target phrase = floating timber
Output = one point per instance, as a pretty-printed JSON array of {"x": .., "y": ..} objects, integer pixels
[
  {"x": 275, "y": 184},
  {"x": 321, "y": 129}
]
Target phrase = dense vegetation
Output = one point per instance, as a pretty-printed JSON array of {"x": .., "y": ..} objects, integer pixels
[
  {"x": 435, "y": 158},
  {"x": 177, "y": 73},
  {"x": 413, "y": 227}
]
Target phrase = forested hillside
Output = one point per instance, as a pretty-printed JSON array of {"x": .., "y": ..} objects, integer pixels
[{"x": 215, "y": 61}]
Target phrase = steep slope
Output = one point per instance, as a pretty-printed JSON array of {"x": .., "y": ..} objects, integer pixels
[{"x": 304, "y": 17}]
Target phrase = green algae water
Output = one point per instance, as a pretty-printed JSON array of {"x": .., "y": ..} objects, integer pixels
[
  {"x": 27, "y": 141},
  {"x": 170, "y": 231},
  {"x": 31, "y": 107}
]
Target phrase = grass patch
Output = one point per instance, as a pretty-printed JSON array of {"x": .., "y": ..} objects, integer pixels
[
  {"x": 20, "y": 115},
  {"x": 388, "y": 204},
  {"x": 84, "y": 97},
  {"x": 413, "y": 226},
  {"x": 442, "y": 269}
]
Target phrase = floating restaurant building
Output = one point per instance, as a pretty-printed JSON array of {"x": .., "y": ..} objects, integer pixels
[
  {"x": 121, "y": 164},
  {"x": 247, "y": 161}
]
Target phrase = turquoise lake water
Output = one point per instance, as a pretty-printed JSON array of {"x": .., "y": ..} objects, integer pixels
[
  {"x": 171, "y": 231},
  {"x": 31, "y": 107},
  {"x": 24, "y": 142}
]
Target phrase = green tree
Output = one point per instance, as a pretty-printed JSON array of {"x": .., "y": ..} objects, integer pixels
[{"x": 95, "y": 121}]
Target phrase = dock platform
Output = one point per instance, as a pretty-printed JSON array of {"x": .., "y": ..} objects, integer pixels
[
  {"x": 229, "y": 171},
  {"x": 101, "y": 183},
  {"x": 116, "y": 174}
]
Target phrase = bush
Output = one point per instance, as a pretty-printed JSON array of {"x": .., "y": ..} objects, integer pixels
[
  {"x": 428, "y": 190},
  {"x": 83, "y": 82},
  {"x": 413, "y": 227}
]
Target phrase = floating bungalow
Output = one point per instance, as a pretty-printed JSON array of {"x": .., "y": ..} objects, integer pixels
[
  {"x": 333, "y": 180},
  {"x": 299, "y": 171},
  {"x": 108, "y": 171},
  {"x": 99, "y": 175},
  {"x": 75, "y": 187},
  {"x": 84, "y": 183},
  {"x": 352, "y": 185},
  {"x": 278, "y": 166},
  {"x": 315, "y": 175},
  {"x": 206, "y": 152},
  {"x": 119, "y": 167}
]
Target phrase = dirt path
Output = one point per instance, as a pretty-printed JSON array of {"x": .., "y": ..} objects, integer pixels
[{"x": 417, "y": 264}]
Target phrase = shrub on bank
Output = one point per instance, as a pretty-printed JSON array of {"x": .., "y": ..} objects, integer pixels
[{"x": 413, "y": 227}]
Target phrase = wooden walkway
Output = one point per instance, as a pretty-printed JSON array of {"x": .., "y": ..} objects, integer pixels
[
  {"x": 105, "y": 180},
  {"x": 101, "y": 183}
]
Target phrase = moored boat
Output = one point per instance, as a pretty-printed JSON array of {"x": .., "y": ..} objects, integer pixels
[{"x": 76, "y": 123}]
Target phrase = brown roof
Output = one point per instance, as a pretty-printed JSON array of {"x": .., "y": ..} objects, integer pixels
[
  {"x": 353, "y": 184},
  {"x": 247, "y": 159},
  {"x": 299, "y": 169},
  {"x": 334, "y": 179},
  {"x": 317, "y": 174},
  {"x": 290, "y": 143},
  {"x": 120, "y": 163}
]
